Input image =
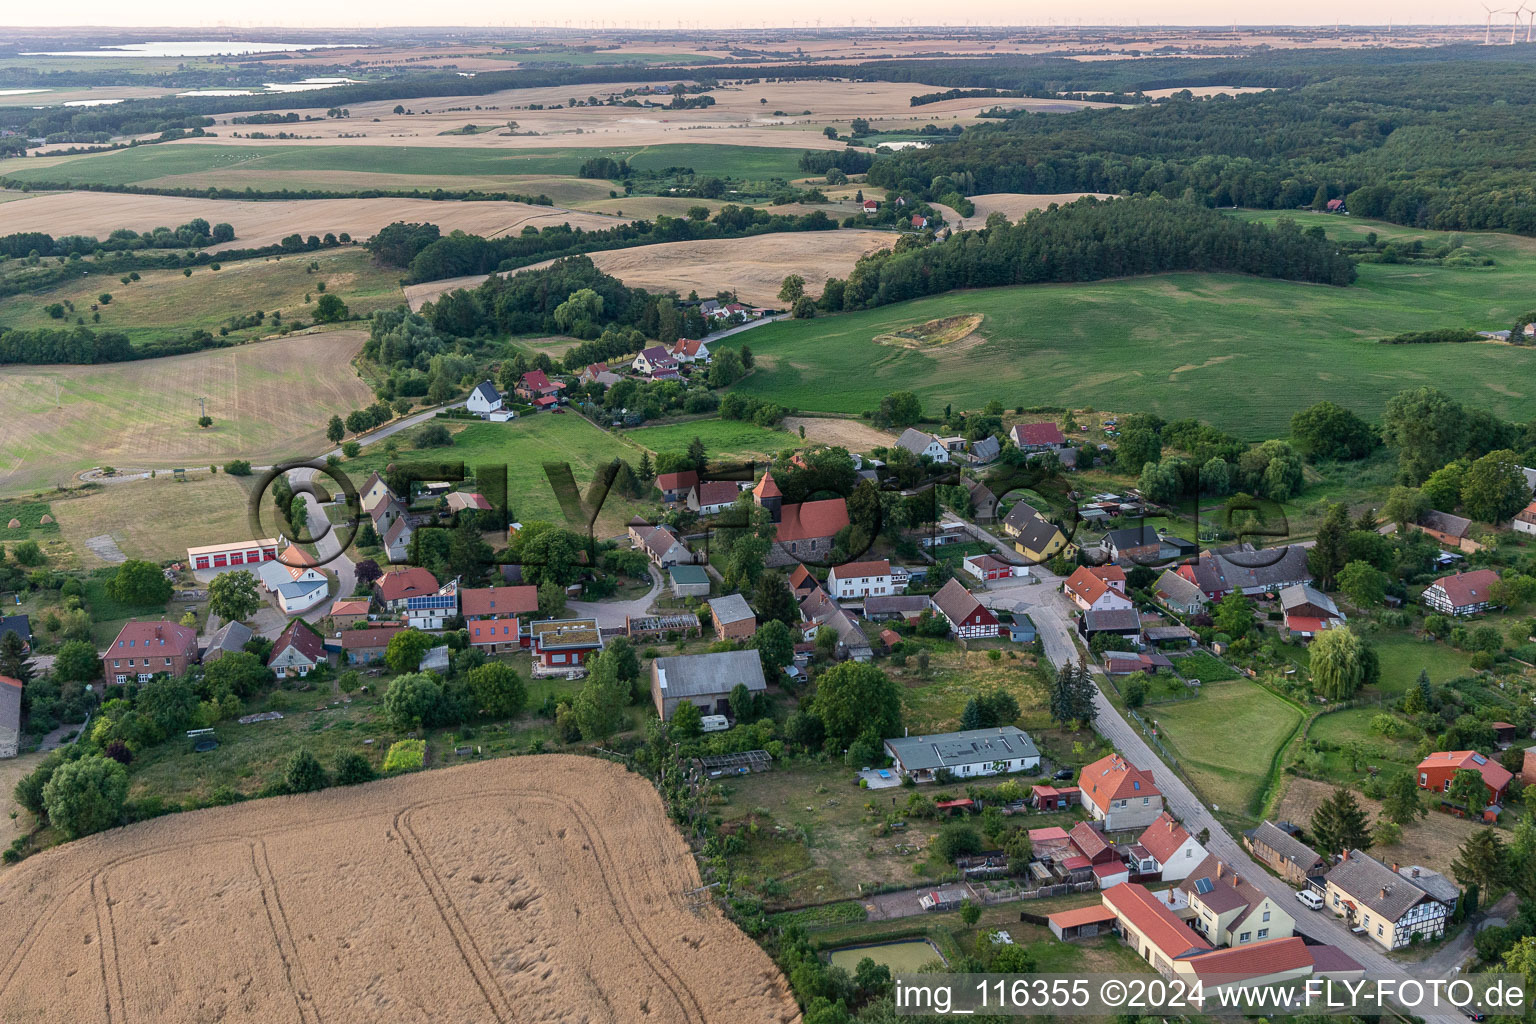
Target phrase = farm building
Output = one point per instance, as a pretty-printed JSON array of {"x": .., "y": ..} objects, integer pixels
[
  {"x": 1462, "y": 593},
  {"x": 1269, "y": 570},
  {"x": 675, "y": 486},
  {"x": 143, "y": 650},
  {"x": 1151, "y": 929},
  {"x": 468, "y": 501},
  {"x": 711, "y": 497},
  {"x": 230, "y": 556},
  {"x": 1055, "y": 798},
  {"x": 1308, "y": 611},
  {"x": 1274, "y": 844},
  {"x": 1451, "y": 532},
  {"x": 1122, "y": 622},
  {"x": 705, "y": 680},
  {"x": 733, "y": 617},
  {"x": 1036, "y": 437},
  {"x": 1119, "y": 794},
  {"x": 1082, "y": 923},
  {"x": 565, "y": 643},
  {"x": 365, "y": 646},
  {"x": 232, "y": 636},
  {"x": 297, "y": 650},
  {"x": 895, "y": 606},
  {"x": 294, "y": 580},
  {"x": 10, "y": 716},
  {"x": 967, "y": 616},
  {"x": 967, "y": 754},
  {"x": 661, "y": 545},
  {"x": 1525, "y": 520},
  {"x": 688, "y": 581}
]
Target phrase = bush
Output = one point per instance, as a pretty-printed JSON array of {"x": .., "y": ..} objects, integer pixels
[
  {"x": 405, "y": 756},
  {"x": 350, "y": 768},
  {"x": 303, "y": 773},
  {"x": 237, "y": 467},
  {"x": 957, "y": 839}
]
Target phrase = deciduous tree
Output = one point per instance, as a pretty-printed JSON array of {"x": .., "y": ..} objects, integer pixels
[{"x": 232, "y": 595}]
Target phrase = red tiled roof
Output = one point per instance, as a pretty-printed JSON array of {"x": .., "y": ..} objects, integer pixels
[
  {"x": 1054, "y": 834},
  {"x": 862, "y": 569},
  {"x": 301, "y": 637},
  {"x": 812, "y": 519},
  {"x": 1255, "y": 960},
  {"x": 1146, "y": 914},
  {"x": 682, "y": 481},
  {"x": 499, "y": 600},
  {"x": 1037, "y": 433},
  {"x": 1090, "y": 584},
  {"x": 412, "y": 582},
  {"x": 350, "y": 607},
  {"x": 1467, "y": 588},
  {"x": 8, "y": 681},
  {"x": 378, "y": 636},
  {"x": 891, "y": 638},
  {"x": 1114, "y": 778},
  {"x": 1109, "y": 869},
  {"x": 1077, "y": 863},
  {"x": 546, "y": 400},
  {"x": 1089, "y": 842},
  {"x": 1493, "y": 773},
  {"x": 148, "y": 636},
  {"x": 1096, "y": 914},
  {"x": 498, "y": 629},
  {"x": 535, "y": 380},
  {"x": 1307, "y": 623},
  {"x": 1163, "y": 838},
  {"x": 799, "y": 576}
]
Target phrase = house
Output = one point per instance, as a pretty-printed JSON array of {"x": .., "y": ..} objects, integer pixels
[
  {"x": 233, "y": 555},
  {"x": 1097, "y": 588},
  {"x": 919, "y": 222},
  {"x": 144, "y": 650},
  {"x": 1276, "y": 847},
  {"x": 1089, "y": 842},
  {"x": 983, "y": 501},
  {"x": 967, "y": 617},
  {"x": 803, "y": 531},
  {"x": 1386, "y": 906},
  {"x": 1433, "y": 882},
  {"x": 820, "y": 610},
  {"x": 897, "y": 606},
  {"x": 10, "y": 716},
  {"x": 1274, "y": 961},
  {"x": 653, "y": 361},
  {"x": 1178, "y": 594},
  {"x": 491, "y": 616},
  {"x": 663, "y": 546},
  {"x": 1335, "y": 206},
  {"x": 396, "y": 588},
  {"x": 1231, "y": 911},
  {"x": 1037, "y": 437},
  {"x": 1035, "y": 537},
  {"x": 1133, "y": 545},
  {"x": 297, "y": 650},
  {"x": 432, "y": 611},
  {"x": 564, "y": 645},
  {"x": 802, "y": 582},
  {"x": 1173, "y": 851},
  {"x": 967, "y": 754},
  {"x": 1462, "y": 593},
  {"x": 733, "y": 618},
  {"x": 593, "y": 373},
  {"x": 1151, "y": 929},
  {"x": 856, "y": 580},
  {"x": 705, "y": 680},
  {"x": 535, "y": 385},
  {"x": 1268, "y": 570},
  {"x": 1525, "y": 519},
  {"x": 295, "y": 580},
  {"x": 923, "y": 444},
  {"x": 467, "y": 501},
  {"x": 1120, "y": 621},
  {"x": 397, "y": 540},
  {"x": 688, "y": 581},
  {"x": 1438, "y": 769},
  {"x": 1054, "y": 798},
  {"x": 1119, "y": 794},
  {"x": 228, "y": 638},
  {"x": 366, "y": 646},
  {"x": 484, "y": 400},
  {"x": 1452, "y": 532},
  {"x": 687, "y": 351},
  {"x": 1308, "y": 611},
  {"x": 347, "y": 612},
  {"x": 984, "y": 451},
  {"x": 711, "y": 497},
  {"x": 989, "y": 567},
  {"x": 675, "y": 486},
  {"x": 20, "y": 625},
  {"x": 870, "y": 206},
  {"x": 375, "y": 492}
]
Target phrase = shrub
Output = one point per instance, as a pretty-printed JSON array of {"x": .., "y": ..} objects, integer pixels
[
  {"x": 405, "y": 756},
  {"x": 237, "y": 467},
  {"x": 350, "y": 768}
]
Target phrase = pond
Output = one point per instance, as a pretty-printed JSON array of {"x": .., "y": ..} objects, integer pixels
[{"x": 905, "y": 956}]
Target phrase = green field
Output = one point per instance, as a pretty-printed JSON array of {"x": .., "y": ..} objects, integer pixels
[
  {"x": 1227, "y": 739},
  {"x": 1242, "y": 353},
  {"x": 196, "y": 164},
  {"x": 724, "y": 439}
]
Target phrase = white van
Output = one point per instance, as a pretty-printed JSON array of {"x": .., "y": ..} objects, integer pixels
[
  {"x": 715, "y": 723},
  {"x": 1309, "y": 899}
]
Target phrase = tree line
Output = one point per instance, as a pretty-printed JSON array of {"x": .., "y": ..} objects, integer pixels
[{"x": 196, "y": 233}]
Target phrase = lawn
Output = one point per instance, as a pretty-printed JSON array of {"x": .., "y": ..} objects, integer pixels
[
  {"x": 1177, "y": 345},
  {"x": 723, "y": 439},
  {"x": 933, "y": 700},
  {"x": 1204, "y": 667},
  {"x": 1403, "y": 657},
  {"x": 1226, "y": 741},
  {"x": 216, "y": 164}
]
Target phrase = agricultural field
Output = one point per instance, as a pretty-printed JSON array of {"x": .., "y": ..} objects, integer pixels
[
  {"x": 724, "y": 439},
  {"x": 260, "y": 224},
  {"x": 164, "y": 305},
  {"x": 1014, "y": 205},
  {"x": 1179, "y": 344},
  {"x": 580, "y": 851},
  {"x": 156, "y": 518}
]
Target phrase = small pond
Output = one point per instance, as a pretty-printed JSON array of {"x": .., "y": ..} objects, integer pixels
[{"x": 907, "y": 955}]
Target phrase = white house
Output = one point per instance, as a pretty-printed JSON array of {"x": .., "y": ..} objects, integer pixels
[
  {"x": 654, "y": 360},
  {"x": 431, "y": 611},
  {"x": 861, "y": 579},
  {"x": 484, "y": 400},
  {"x": 294, "y": 579},
  {"x": 1170, "y": 850},
  {"x": 1119, "y": 794},
  {"x": 965, "y": 754},
  {"x": 397, "y": 539},
  {"x": 688, "y": 350},
  {"x": 919, "y": 443},
  {"x": 1097, "y": 588}
]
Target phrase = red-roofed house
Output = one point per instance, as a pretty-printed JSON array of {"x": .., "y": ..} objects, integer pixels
[
  {"x": 1151, "y": 929},
  {"x": 396, "y": 588},
  {"x": 1464, "y": 593},
  {"x": 144, "y": 650},
  {"x": 870, "y": 206},
  {"x": 348, "y": 612},
  {"x": 919, "y": 221},
  {"x": 1111, "y": 873},
  {"x": 1036, "y": 437},
  {"x": 1119, "y": 794},
  {"x": 675, "y": 486},
  {"x": 1173, "y": 852},
  {"x": 687, "y": 350},
  {"x": 1438, "y": 769},
  {"x": 491, "y": 615},
  {"x": 297, "y": 650},
  {"x": 1090, "y": 843},
  {"x": 1097, "y": 588},
  {"x": 861, "y": 579},
  {"x": 967, "y": 616},
  {"x": 1270, "y": 962},
  {"x": 535, "y": 384}
]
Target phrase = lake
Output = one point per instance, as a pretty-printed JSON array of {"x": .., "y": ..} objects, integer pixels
[{"x": 192, "y": 48}]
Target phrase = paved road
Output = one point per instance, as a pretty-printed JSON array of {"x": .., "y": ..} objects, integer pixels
[
  {"x": 328, "y": 545},
  {"x": 611, "y": 614}
]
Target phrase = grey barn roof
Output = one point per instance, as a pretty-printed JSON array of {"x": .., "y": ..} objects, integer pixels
[
  {"x": 1363, "y": 878},
  {"x": 730, "y": 608},
  {"x": 1286, "y": 845},
  {"x": 231, "y": 636},
  {"x": 695, "y": 675},
  {"x": 974, "y": 746}
]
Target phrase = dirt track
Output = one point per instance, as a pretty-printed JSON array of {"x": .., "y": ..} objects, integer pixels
[{"x": 518, "y": 890}]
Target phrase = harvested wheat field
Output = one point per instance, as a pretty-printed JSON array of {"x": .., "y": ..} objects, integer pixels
[
  {"x": 265, "y": 223},
  {"x": 855, "y": 435},
  {"x": 753, "y": 267},
  {"x": 517, "y": 890},
  {"x": 1014, "y": 205}
]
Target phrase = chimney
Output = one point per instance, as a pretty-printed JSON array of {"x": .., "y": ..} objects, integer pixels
[
  {"x": 1220, "y": 867},
  {"x": 1394, "y": 867},
  {"x": 1415, "y": 872},
  {"x": 1344, "y": 855},
  {"x": 1383, "y": 892}
]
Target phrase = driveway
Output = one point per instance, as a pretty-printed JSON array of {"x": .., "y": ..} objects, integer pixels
[{"x": 611, "y": 614}]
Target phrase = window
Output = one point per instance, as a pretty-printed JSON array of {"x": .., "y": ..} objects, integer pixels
[
  {"x": 1263, "y": 933},
  {"x": 1145, "y": 800},
  {"x": 1423, "y": 780},
  {"x": 1266, "y": 916},
  {"x": 1245, "y": 936},
  {"x": 1378, "y": 930}
]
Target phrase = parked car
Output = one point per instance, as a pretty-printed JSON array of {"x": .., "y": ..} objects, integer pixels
[
  {"x": 1063, "y": 774},
  {"x": 1309, "y": 899},
  {"x": 1473, "y": 1013}
]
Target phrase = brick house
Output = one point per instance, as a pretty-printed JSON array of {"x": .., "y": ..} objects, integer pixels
[
  {"x": 967, "y": 617},
  {"x": 1453, "y": 532},
  {"x": 1462, "y": 593},
  {"x": 143, "y": 650},
  {"x": 733, "y": 617},
  {"x": 1437, "y": 770}
]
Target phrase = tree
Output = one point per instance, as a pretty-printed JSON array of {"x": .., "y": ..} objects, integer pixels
[
  {"x": 956, "y": 839},
  {"x": 170, "y": 703},
  {"x": 599, "y": 707},
  {"x": 1331, "y": 551},
  {"x": 1404, "y": 506},
  {"x": 330, "y": 309},
  {"x": 775, "y": 644},
  {"x": 1339, "y": 824},
  {"x": 1494, "y": 488},
  {"x": 743, "y": 703},
  {"x": 13, "y": 658},
  {"x": 1234, "y": 615},
  {"x": 406, "y": 648},
  {"x": 1401, "y": 801},
  {"x": 1468, "y": 789},
  {"x": 77, "y": 662},
  {"x": 366, "y": 570},
  {"x": 350, "y": 768},
  {"x": 1135, "y": 691},
  {"x": 232, "y": 595},
  {"x": 1338, "y": 663},
  {"x": 804, "y": 308},
  {"x": 86, "y": 795},
  {"x": 687, "y": 721},
  {"x": 1480, "y": 861},
  {"x": 583, "y": 306},
  {"x": 855, "y": 696},
  {"x": 970, "y": 913},
  {"x": 774, "y": 601},
  {"x": 498, "y": 689},
  {"x": 1160, "y": 482},
  {"x": 1329, "y": 431},
  {"x": 1442, "y": 490},
  {"x": 412, "y": 699},
  {"x": 1363, "y": 583},
  {"x": 698, "y": 455},
  {"x": 240, "y": 673},
  {"x": 140, "y": 584},
  {"x": 303, "y": 773},
  {"x": 551, "y": 599},
  {"x": 1139, "y": 445},
  {"x": 298, "y": 515},
  {"x": 335, "y": 430},
  {"x": 1427, "y": 428},
  {"x": 791, "y": 289}
]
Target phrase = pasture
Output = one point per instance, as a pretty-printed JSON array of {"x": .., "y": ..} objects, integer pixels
[
  {"x": 724, "y": 439},
  {"x": 506, "y": 876},
  {"x": 1242, "y": 353},
  {"x": 143, "y": 414}
]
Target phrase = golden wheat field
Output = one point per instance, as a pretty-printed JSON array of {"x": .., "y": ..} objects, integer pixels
[{"x": 519, "y": 890}]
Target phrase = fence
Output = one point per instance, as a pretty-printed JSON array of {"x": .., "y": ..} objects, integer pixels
[
  {"x": 989, "y": 897},
  {"x": 1152, "y": 738}
]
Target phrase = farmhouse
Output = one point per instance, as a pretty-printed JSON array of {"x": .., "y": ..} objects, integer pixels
[
  {"x": 989, "y": 567},
  {"x": 819, "y": 610},
  {"x": 347, "y": 612},
  {"x": 897, "y": 606},
  {"x": 1276, "y": 846},
  {"x": 711, "y": 497},
  {"x": 923, "y": 444},
  {"x": 565, "y": 643},
  {"x": 1438, "y": 769},
  {"x": 861, "y": 579},
  {"x": 967, "y": 617},
  {"x": 365, "y": 646},
  {"x": 1308, "y": 611},
  {"x": 1037, "y": 437},
  {"x": 1269, "y": 570},
  {"x": 983, "y": 501},
  {"x": 1449, "y": 531},
  {"x": 982, "y": 452},
  {"x": 1097, "y": 588},
  {"x": 733, "y": 617},
  {"x": 1390, "y": 908},
  {"x": 144, "y": 650},
  {"x": 1231, "y": 911},
  {"x": 1119, "y": 794},
  {"x": 1462, "y": 593},
  {"x": 229, "y": 556},
  {"x": 297, "y": 650},
  {"x": 484, "y": 400},
  {"x": 965, "y": 754},
  {"x": 230, "y": 637},
  {"x": 10, "y": 716},
  {"x": 1178, "y": 594},
  {"x": 1035, "y": 537},
  {"x": 705, "y": 680},
  {"x": 1173, "y": 853}
]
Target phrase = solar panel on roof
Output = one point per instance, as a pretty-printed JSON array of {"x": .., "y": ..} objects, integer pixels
[
  {"x": 1479, "y": 759},
  {"x": 1203, "y": 885}
]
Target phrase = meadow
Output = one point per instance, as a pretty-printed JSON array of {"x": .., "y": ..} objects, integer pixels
[
  {"x": 723, "y": 439},
  {"x": 1242, "y": 353}
]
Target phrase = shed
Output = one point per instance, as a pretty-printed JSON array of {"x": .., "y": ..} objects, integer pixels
[
  {"x": 1082, "y": 923},
  {"x": 688, "y": 581}
]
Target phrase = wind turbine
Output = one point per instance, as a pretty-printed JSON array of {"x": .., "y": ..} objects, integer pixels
[
  {"x": 1488, "y": 25},
  {"x": 1516, "y": 26}
]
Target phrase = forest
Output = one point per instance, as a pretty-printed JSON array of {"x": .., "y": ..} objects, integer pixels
[{"x": 1091, "y": 240}]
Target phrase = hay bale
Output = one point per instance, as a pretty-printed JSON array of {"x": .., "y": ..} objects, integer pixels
[
  {"x": 45, "y": 520},
  {"x": 14, "y": 524}
]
